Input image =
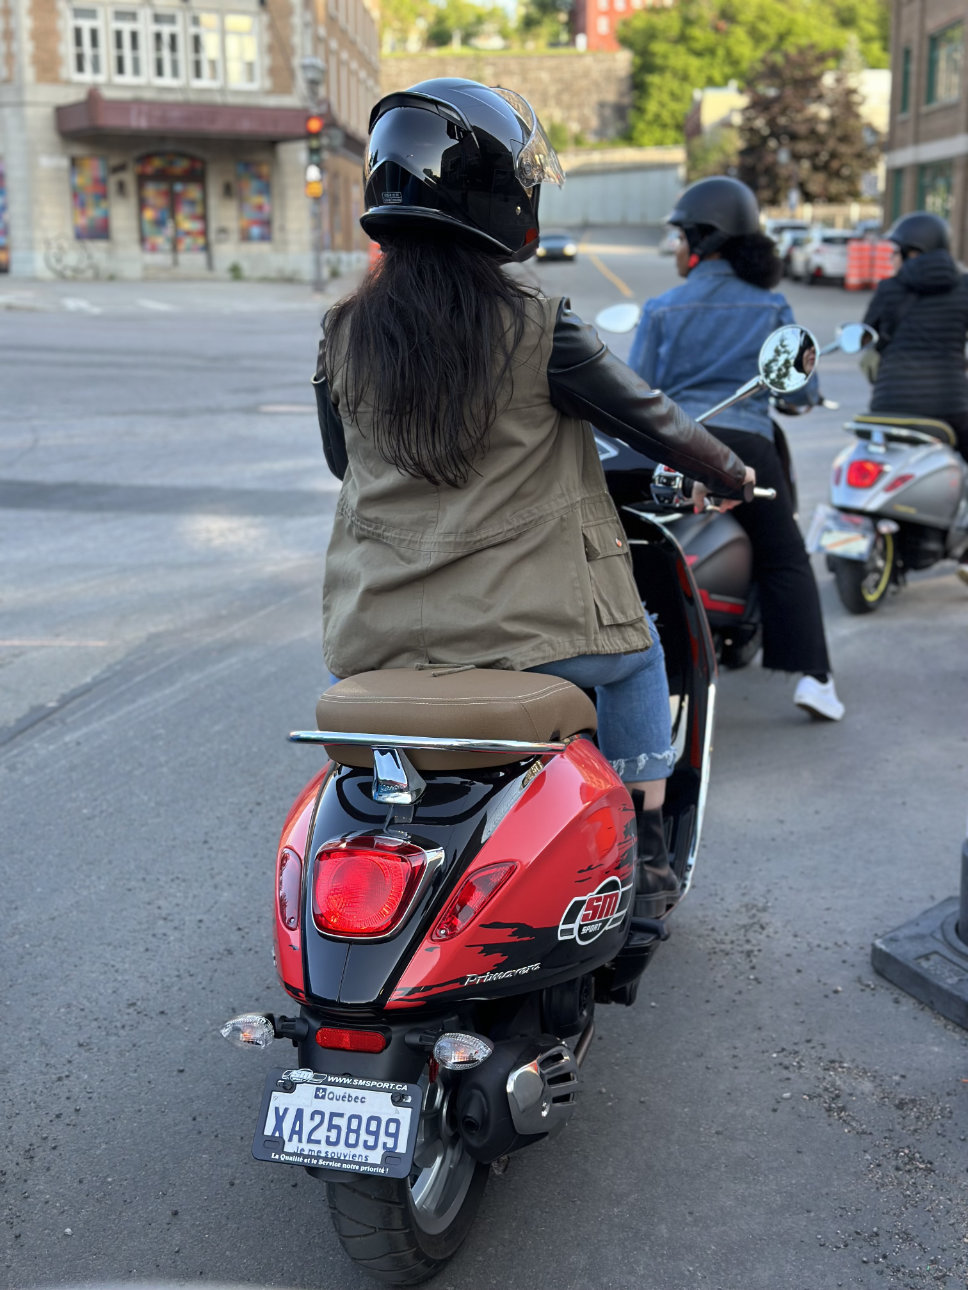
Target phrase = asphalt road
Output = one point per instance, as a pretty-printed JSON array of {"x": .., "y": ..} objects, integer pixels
[{"x": 769, "y": 1115}]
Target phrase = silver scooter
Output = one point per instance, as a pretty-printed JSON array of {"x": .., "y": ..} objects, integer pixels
[{"x": 898, "y": 500}]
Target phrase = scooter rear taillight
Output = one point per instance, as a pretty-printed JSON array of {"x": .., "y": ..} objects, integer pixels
[
  {"x": 365, "y": 885},
  {"x": 864, "y": 473}
]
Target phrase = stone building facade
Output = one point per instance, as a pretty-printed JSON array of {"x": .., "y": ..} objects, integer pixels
[
  {"x": 587, "y": 94},
  {"x": 927, "y": 157},
  {"x": 146, "y": 138}
]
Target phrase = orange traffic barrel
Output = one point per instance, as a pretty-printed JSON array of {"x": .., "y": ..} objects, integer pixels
[
  {"x": 883, "y": 261},
  {"x": 860, "y": 265}
]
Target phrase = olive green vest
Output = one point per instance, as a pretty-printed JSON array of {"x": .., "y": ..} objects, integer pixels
[{"x": 524, "y": 564}]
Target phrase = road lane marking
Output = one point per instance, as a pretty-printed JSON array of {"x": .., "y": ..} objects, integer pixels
[
  {"x": 613, "y": 278},
  {"x": 39, "y": 644},
  {"x": 78, "y": 305},
  {"x": 281, "y": 408},
  {"x": 157, "y": 304}
]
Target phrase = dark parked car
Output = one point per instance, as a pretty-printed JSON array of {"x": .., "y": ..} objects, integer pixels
[{"x": 555, "y": 244}]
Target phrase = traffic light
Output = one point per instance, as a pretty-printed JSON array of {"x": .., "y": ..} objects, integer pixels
[{"x": 315, "y": 124}]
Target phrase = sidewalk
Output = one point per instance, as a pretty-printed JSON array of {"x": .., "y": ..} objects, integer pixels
[{"x": 166, "y": 297}]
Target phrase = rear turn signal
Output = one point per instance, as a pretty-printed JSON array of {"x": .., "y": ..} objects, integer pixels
[
  {"x": 472, "y": 895},
  {"x": 864, "y": 474},
  {"x": 364, "y": 886}
]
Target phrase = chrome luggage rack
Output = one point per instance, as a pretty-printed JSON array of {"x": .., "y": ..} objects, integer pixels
[
  {"x": 427, "y": 742},
  {"x": 395, "y": 779}
]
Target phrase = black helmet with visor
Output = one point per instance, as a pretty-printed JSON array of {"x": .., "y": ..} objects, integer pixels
[{"x": 465, "y": 159}]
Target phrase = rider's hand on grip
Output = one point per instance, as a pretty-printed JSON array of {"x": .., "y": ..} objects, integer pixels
[{"x": 701, "y": 500}]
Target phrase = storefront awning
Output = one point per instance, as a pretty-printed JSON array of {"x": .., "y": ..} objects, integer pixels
[{"x": 97, "y": 116}]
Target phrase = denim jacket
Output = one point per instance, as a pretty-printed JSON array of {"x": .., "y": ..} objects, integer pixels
[{"x": 701, "y": 340}]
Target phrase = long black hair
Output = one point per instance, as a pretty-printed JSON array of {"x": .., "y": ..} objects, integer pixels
[
  {"x": 753, "y": 258},
  {"x": 428, "y": 338}
]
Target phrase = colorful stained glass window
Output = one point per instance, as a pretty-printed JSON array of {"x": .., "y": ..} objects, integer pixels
[
  {"x": 156, "y": 224},
  {"x": 188, "y": 199},
  {"x": 89, "y": 198},
  {"x": 255, "y": 201},
  {"x": 172, "y": 165},
  {"x": 4, "y": 232}
]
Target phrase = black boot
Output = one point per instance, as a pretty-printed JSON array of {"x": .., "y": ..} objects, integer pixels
[{"x": 656, "y": 886}]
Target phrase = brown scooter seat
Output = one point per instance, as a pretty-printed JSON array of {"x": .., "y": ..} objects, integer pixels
[
  {"x": 452, "y": 703},
  {"x": 937, "y": 429}
]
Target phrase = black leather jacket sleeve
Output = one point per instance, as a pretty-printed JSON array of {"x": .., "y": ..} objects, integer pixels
[
  {"x": 330, "y": 427},
  {"x": 587, "y": 381}
]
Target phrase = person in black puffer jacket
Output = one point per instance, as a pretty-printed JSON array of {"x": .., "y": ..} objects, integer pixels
[{"x": 921, "y": 317}]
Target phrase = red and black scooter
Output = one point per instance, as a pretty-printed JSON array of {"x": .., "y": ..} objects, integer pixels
[{"x": 453, "y": 900}]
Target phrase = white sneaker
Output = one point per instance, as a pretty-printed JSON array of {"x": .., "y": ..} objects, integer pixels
[{"x": 818, "y": 698}]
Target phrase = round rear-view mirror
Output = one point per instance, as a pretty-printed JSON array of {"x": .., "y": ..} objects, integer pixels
[
  {"x": 787, "y": 359},
  {"x": 853, "y": 337},
  {"x": 618, "y": 318}
]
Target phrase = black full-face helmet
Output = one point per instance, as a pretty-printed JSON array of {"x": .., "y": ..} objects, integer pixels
[
  {"x": 462, "y": 158},
  {"x": 920, "y": 231},
  {"x": 713, "y": 210}
]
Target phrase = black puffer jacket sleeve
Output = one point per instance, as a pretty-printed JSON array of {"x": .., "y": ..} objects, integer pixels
[
  {"x": 587, "y": 381},
  {"x": 330, "y": 423}
]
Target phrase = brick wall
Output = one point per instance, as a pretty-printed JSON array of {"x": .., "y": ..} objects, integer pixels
[
  {"x": 45, "y": 24},
  {"x": 587, "y": 93}
]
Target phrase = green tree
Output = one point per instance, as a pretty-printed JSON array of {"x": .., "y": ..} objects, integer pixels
[
  {"x": 714, "y": 153},
  {"x": 802, "y": 129},
  {"x": 699, "y": 43}
]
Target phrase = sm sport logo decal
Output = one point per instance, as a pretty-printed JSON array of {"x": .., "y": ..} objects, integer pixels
[{"x": 588, "y": 916}]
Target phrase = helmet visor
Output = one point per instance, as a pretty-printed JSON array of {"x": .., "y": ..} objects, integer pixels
[{"x": 537, "y": 162}]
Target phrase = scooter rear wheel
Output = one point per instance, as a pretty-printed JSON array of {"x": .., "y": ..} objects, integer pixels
[
  {"x": 402, "y": 1231},
  {"x": 863, "y": 587}
]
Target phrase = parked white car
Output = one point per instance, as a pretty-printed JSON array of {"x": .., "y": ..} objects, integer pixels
[
  {"x": 823, "y": 255},
  {"x": 788, "y": 239},
  {"x": 781, "y": 224}
]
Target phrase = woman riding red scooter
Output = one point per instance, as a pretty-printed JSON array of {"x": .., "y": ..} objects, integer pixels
[{"x": 474, "y": 526}]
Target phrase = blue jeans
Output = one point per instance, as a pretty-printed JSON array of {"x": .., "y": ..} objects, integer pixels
[{"x": 632, "y": 697}]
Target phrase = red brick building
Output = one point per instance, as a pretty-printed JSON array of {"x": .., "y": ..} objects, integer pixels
[{"x": 594, "y": 22}]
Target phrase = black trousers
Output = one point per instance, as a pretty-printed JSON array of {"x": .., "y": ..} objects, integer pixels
[
  {"x": 793, "y": 634},
  {"x": 959, "y": 424}
]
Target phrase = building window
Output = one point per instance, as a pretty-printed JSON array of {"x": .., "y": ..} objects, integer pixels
[
  {"x": 166, "y": 49},
  {"x": 205, "y": 49},
  {"x": 88, "y": 45},
  {"x": 127, "y": 45},
  {"x": 89, "y": 198},
  {"x": 934, "y": 188},
  {"x": 946, "y": 51},
  {"x": 241, "y": 52},
  {"x": 603, "y": 26},
  {"x": 896, "y": 204},
  {"x": 905, "y": 80},
  {"x": 255, "y": 201}
]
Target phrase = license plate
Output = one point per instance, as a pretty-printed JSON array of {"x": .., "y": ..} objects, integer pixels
[
  {"x": 837, "y": 534},
  {"x": 337, "y": 1122}
]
